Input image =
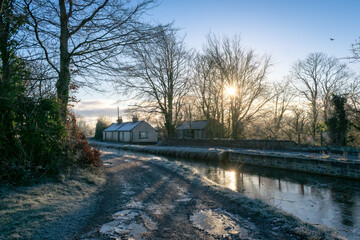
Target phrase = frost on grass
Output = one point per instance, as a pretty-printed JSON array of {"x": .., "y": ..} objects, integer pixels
[
  {"x": 220, "y": 223},
  {"x": 30, "y": 212}
]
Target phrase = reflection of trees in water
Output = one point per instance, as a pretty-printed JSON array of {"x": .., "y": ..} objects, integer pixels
[
  {"x": 343, "y": 192},
  {"x": 279, "y": 185},
  {"x": 346, "y": 200},
  {"x": 302, "y": 187}
]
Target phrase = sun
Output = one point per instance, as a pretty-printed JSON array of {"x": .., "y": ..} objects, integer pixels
[{"x": 230, "y": 91}]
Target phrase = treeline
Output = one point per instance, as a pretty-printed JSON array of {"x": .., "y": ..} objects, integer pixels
[{"x": 227, "y": 85}]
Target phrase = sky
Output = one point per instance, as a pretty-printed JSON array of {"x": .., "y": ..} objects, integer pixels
[{"x": 287, "y": 30}]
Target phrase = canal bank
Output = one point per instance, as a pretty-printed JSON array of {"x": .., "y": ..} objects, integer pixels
[{"x": 327, "y": 165}]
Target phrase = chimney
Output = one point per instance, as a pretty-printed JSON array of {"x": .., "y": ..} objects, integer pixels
[
  {"x": 119, "y": 120},
  {"x": 135, "y": 119}
]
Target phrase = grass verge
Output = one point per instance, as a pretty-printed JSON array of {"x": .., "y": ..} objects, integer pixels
[{"x": 28, "y": 210}]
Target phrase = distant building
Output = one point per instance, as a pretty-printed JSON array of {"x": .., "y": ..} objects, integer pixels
[
  {"x": 132, "y": 132},
  {"x": 192, "y": 129}
]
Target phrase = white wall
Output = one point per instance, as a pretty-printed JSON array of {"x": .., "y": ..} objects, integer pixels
[
  {"x": 144, "y": 127},
  {"x": 110, "y": 136},
  {"x": 127, "y": 137}
]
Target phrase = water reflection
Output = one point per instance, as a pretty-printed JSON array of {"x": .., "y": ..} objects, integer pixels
[{"x": 315, "y": 199}]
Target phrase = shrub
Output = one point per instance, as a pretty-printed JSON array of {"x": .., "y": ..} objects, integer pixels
[
  {"x": 338, "y": 123},
  {"x": 42, "y": 145},
  {"x": 86, "y": 155},
  {"x": 39, "y": 137},
  {"x": 101, "y": 125}
]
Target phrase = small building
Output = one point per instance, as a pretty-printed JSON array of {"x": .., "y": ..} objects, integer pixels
[
  {"x": 132, "y": 132},
  {"x": 192, "y": 129}
]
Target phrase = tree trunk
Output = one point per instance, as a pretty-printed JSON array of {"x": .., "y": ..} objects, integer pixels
[
  {"x": 4, "y": 43},
  {"x": 7, "y": 94},
  {"x": 62, "y": 85},
  {"x": 314, "y": 120}
]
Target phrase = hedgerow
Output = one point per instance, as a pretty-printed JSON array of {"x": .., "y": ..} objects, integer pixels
[{"x": 40, "y": 143}]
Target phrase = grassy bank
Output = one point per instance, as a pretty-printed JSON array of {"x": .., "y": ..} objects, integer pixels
[{"x": 31, "y": 212}]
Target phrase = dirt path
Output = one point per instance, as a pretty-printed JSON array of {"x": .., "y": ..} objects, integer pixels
[{"x": 142, "y": 200}]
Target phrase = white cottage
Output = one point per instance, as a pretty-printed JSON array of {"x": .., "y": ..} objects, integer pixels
[
  {"x": 192, "y": 129},
  {"x": 134, "y": 132}
]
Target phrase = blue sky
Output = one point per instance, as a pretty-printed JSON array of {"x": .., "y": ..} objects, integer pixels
[{"x": 286, "y": 30}]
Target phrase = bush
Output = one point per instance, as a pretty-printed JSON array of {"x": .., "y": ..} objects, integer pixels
[
  {"x": 101, "y": 125},
  {"x": 338, "y": 123},
  {"x": 42, "y": 145},
  {"x": 38, "y": 140},
  {"x": 85, "y": 154}
]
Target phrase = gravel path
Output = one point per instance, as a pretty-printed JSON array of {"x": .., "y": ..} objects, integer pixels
[{"x": 142, "y": 200}]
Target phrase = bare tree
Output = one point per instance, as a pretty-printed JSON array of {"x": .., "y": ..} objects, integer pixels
[
  {"x": 244, "y": 73},
  {"x": 38, "y": 82},
  {"x": 354, "y": 103},
  {"x": 355, "y": 50},
  {"x": 77, "y": 37},
  {"x": 318, "y": 77},
  {"x": 158, "y": 75},
  {"x": 283, "y": 95},
  {"x": 206, "y": 87},
  {"x": 297, "y": 123},
  {"x": 84, "y": 127}
]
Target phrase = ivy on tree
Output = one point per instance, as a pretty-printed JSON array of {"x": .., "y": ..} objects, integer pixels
[{"x": 338, "y": 122}]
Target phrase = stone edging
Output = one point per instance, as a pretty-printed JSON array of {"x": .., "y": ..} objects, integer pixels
[{"x": 328, "y": 167}]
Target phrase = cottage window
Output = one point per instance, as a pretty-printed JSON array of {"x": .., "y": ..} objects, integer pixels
[{"x": 143, "y": 135}]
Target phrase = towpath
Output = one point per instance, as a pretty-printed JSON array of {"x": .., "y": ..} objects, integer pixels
[{"x": 143, "y": 199}]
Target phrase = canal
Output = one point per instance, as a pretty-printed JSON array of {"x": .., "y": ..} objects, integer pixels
[{"x": 327, "y": 201}]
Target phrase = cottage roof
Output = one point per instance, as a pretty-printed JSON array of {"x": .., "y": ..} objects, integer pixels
[
  {"x": 196, "y": 125},
  {"x": 112, "y": 127},
  {"x": 122, "y": 127}
]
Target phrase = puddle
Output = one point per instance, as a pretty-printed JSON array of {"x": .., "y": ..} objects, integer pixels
[
  {"x": 132, "y": 223},
  {"x": 183, "y": 194},
  {"x": 129, "y": 224},
  {"x": 219, "y": 223},
  {"x": 185, "y": 199},
  {"x": 135, "y": 204}
]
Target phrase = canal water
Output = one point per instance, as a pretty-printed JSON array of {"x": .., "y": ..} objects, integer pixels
[{"x": 327, "y": 201}]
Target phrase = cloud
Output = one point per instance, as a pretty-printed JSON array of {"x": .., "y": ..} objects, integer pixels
[{"x": 91, "y": 110}]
